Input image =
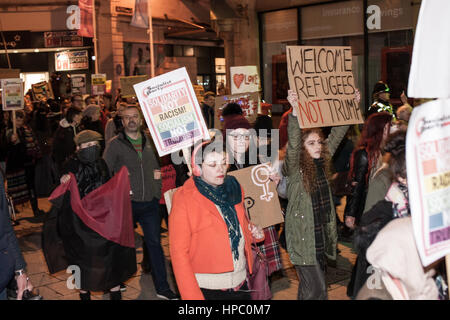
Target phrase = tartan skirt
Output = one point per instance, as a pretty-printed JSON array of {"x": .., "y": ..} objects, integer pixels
[
  {"x": 17, "y": 186},
  {"x": 271, "y": 249}
]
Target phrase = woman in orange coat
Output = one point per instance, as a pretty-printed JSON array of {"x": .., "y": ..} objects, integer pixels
[{"x": 210, "y": 236}]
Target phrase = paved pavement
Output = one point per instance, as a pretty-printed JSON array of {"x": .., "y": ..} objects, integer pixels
[{"x": 140, "y": 287}]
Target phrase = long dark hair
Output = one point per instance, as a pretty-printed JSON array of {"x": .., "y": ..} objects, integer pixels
[
  {"x": 371, "y": 140},
  {"x": 307, "y": 165}
]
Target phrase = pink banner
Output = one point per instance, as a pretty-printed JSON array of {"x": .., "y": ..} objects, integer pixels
[{"x": 86, "y": 18}]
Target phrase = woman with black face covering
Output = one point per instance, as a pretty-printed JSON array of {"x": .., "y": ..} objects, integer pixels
[{"x": 90, "y": 171}]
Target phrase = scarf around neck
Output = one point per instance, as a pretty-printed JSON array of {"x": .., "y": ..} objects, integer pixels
[
  {"x": 226, "y": 196},
  {"x": 320, "y": 196}
]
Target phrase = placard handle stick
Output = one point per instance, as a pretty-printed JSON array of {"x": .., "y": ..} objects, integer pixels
[
  {"x": 13, "y": 112},
  {"x": 187, "y": 157},
  {"x": 447, "y": 263}
]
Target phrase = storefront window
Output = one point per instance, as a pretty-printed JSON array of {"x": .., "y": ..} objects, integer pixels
[
  {"x": 337, "y": 24},
  {"x": 280, "y": 28},
  {"x": 390, "y": 46},
  {"x": 341, "y": 23}
]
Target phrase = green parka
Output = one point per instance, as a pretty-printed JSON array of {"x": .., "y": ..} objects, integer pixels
[{"x": 299, "y": 221}]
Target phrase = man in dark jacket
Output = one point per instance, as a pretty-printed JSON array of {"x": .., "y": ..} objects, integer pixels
[
  {"x": 132, "y": 148},
  {"x": 63, "y": 143},
  {"x": 208, "y": 104}
]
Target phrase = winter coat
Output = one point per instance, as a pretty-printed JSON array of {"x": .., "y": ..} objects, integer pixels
[
  {"x": 208, "y": 115},
  {"x": 120, "y": 152},
  {"x": 11, "y": 257},
  {"x": 378, "y": 187},
  {"x": 199, "y": 240},
  {"x": 299, "y": 221},
  {"x": 357, "y": 199},
  {"x": 63, "y": 144}
]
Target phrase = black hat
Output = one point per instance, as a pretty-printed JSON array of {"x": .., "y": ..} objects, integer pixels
[
  {"x": 263, "y": 122},
  {"x": 232, "y": 108},
  {"x": 380, "y": 86}
]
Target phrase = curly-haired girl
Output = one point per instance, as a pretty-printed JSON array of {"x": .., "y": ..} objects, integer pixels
[{"x": 311, "y": 234}]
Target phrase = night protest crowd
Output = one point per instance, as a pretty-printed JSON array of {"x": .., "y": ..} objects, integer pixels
[{"x": 91, "y": 153}]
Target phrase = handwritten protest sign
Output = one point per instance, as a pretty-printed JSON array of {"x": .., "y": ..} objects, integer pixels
[
  {"x": 78, "y": 82},
  {"x": 428, "y": 170},
  {"x": 249, "y": 103},
  {"x": 171, "y": 111},
  {"x": 42, "y": 90},
  {"x": 261, "y": 198},
  {"x": 98, "y": 84},
  {"x": 127, "y": 83},
  {"x": 323, "y": 80},
  {"x": 244, "y": 79},
  {"x": 12, "y": 94}
]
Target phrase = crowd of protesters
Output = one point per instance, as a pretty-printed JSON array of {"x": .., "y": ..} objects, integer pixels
[{"x": 77, "y": 145}]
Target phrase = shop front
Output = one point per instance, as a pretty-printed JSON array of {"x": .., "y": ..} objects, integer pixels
[
  {"x": 41, "y": 44},
  {"x": 379, "y": 32}
]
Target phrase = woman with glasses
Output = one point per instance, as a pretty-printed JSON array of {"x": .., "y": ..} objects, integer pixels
[
  {"x": 210, "y": 236},
  {"x": 241, "y": 142},
  {"x": 311, "y": 234}
]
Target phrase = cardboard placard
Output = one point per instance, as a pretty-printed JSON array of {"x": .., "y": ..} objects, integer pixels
[
  {"x": 244, "y": 79},
  {"x": 98, "y": 84},
  {"x": 9, "y": 73},
  {"x": 12, "y": 94},
  {"x": 171, "y": 111},
  {"x": 42, "y": 90},
  {"x": 428, "y": 170},
  {"x": 78, "y": 82},
  {"x": 261, "y": 198},
  {"x": 249, "y": 103},
  {"x": 323, "y": 80},
  {"x": 127, "y": 83}
]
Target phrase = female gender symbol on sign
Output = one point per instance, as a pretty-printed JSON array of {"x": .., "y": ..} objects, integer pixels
[{"x": 260, "y": 177}]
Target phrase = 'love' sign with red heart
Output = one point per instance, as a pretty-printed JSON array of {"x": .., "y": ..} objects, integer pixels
[{"x": 238, "y": 79}]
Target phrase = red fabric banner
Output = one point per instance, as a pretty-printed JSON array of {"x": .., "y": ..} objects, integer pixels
[
  {"x": 106, "y": 210},
  {"x": 86, "y": 18}
]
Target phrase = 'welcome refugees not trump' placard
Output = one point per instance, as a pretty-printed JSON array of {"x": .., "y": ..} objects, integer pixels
[{"x": 323, "y": 80}]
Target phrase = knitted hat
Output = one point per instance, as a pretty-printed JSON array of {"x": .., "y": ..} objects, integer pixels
[
  {"x": 87, "y": 136},
  {"x": 235, "y": 121},
  {"x": 232, "y": 108},
  {"x": 91, "y": 110},
  {"x": 263, "y": 122}
]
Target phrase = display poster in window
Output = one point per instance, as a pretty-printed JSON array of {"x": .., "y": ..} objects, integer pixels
[
  {"x": 323, "y": 79},
  {"x": 78, "y": 82},
  {"x": 12, "y": 94},
  {"x": 171, "y": 110},
  {"x": 71, "y": 60}
]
